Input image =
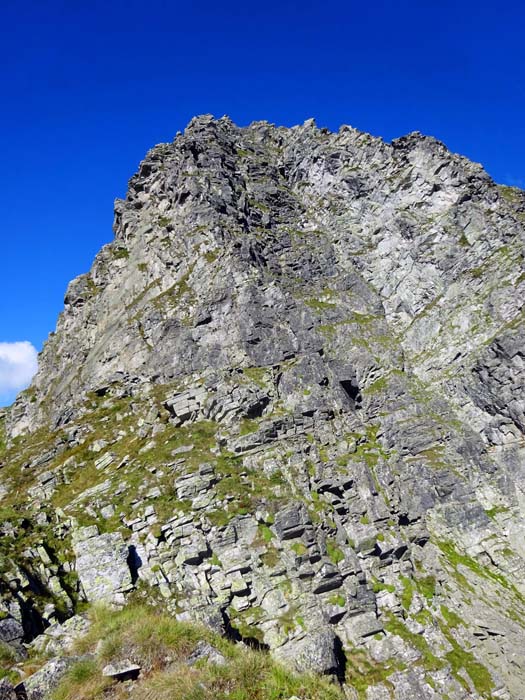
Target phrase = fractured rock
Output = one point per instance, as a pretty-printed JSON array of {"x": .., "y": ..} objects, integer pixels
[
  {"x": 102, "y": 567},
  {"x": 122, "y": 670},
  {"x": 316, "y": 653}
]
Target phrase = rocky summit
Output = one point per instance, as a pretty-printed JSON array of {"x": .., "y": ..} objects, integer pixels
[{"x": 286, "y": 403}]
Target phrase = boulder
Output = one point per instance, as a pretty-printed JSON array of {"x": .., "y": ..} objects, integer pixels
[
  {"x": 11, "y": 632},
  {"x": 102, "y": 567},
  {"x": 41, "y": 684},
  {"x": 292, "y": 521},
  {"x": 124, "y": 670},
  {"x": 317, "y": 653}
]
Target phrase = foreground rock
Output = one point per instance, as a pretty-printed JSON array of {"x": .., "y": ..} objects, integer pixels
[
  {"x": 124, "y": 670},
  {"x": 41, "y": 684},
  {"x": 317, "y": 652},
  {"x": 102, "y": 565},
  {"x": 7, "y": 691}
]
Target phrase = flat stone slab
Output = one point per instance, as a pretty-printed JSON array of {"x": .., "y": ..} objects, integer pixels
[
  {"x": 102, "y": 567},
  {"x": 124, "y": 670}
]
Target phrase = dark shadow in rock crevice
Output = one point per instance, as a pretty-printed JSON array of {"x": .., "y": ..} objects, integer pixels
[
  {"x": 351, "y": 389},
  {"x": 257, "y": 409},
  {"x": 233, "y": 634},
  {"x": 340, "y": 656},
  {"x": 134, "y": 562}
]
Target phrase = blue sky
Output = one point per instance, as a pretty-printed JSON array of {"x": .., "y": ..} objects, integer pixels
[{"x": 88, "y": 87}]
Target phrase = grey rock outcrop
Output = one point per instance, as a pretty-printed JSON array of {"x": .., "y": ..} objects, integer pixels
[
  {"x": 121, "y": 671},
  {"x": 102, "y": 565},
  {"x": 288, "y": 400},
  {"x": 41, "y": 684},
  {"x": 7, "y": 690},
  {"x": 316, "y": 652}
]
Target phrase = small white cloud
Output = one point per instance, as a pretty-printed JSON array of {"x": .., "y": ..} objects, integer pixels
[{"x": 18, "y": 365}]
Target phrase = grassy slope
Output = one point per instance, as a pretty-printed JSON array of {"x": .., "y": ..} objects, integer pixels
[{"x": 161, "y": 646}]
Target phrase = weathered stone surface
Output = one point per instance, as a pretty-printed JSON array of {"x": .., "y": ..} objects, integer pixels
[
  {"x": 291, "y": 522},
  {"x": 102, "y": 567},
  {"x": 59, "y": 638},
  {"x": 316, "y": 653},
  {"x": 356, "y": 627},
  {"x": 292, "y": 393},
  {"x": 41, "y": 684},
  {"x": 121, "y": 670},
  {"x": 7, "y": 690},
  {"x": 11, "y": 631}
]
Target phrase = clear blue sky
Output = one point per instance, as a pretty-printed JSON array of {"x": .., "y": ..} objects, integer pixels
[{"x": 88, "y": 87}]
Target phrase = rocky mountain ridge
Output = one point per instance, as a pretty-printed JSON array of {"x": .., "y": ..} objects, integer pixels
[{"x": 288, "y": 400}]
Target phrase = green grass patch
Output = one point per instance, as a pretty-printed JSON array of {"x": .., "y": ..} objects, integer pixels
[
  {"x": 161, "y": 646},
  {"x": 319, "y": 305},
  {"x": 257, "y": 375},
  {"x": 407, "y": 592},
  {"x": 428, "y": 660},
  {"x": 363, "y": 672},
  {"x": 120, "y": 253},
  {"x": 299, "y": 548},
  {"x": 334, "y": 553},
  {"x": 455, "y": 558},
  {"x": 450, "y": 617}
]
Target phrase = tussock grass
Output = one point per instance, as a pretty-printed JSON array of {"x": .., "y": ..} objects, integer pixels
[
  {"x": 162, "y": 646},
  {"x": 84, "y": 681},
  {"x": 142, "y": 634}
]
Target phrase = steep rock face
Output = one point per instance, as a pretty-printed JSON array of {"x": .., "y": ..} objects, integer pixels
[{"x": 293, "y": 387}]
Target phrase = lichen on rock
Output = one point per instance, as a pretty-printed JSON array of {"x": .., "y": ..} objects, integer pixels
[{"x": 287, "y": 402}]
